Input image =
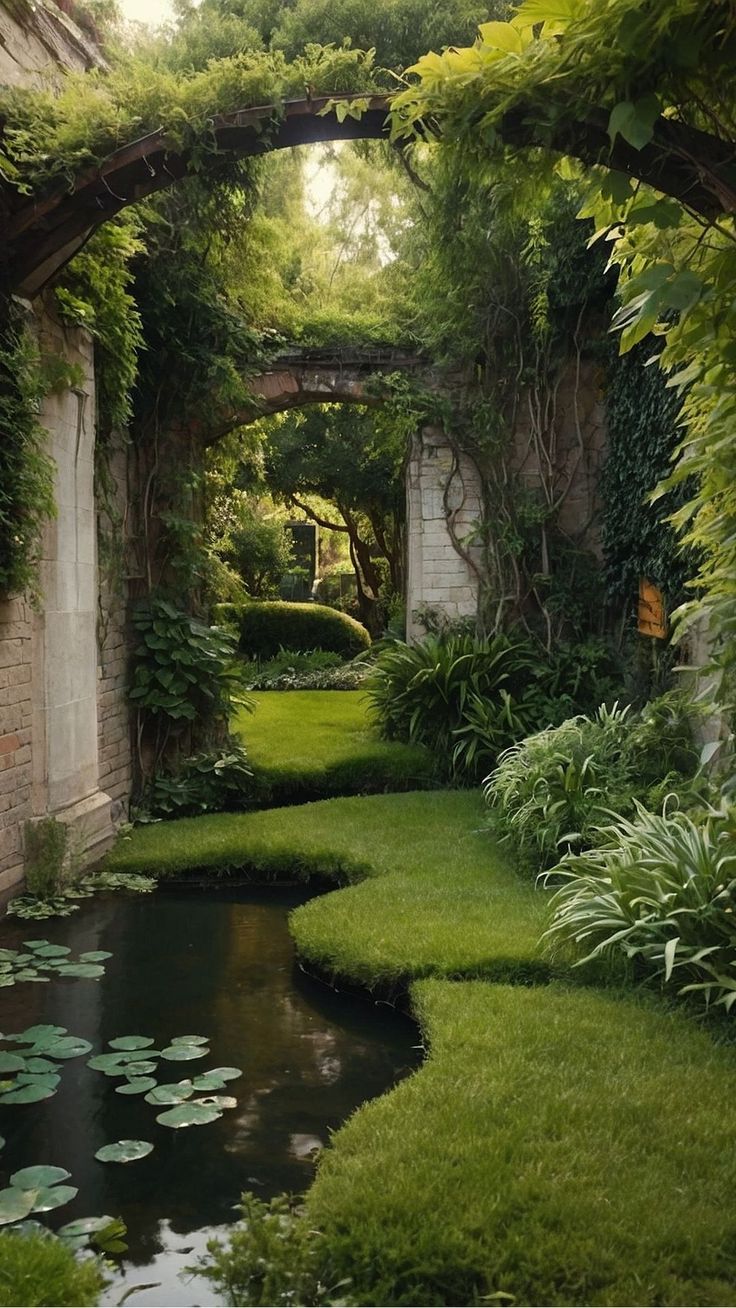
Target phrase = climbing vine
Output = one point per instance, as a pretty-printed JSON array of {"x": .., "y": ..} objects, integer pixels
[{"x": 26, "y": 468}]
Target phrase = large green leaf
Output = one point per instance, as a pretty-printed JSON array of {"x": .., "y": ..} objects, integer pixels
[
  {"x": 33, "y": 1178},
  {"x": 12, "y": 1063},
  {"x": 54, "y": 1196},
  {"x": 67, "y": 1047},
  {"x": 183, "y": 1053},
  {"x": 227, "y": 1073},
  {"x": 15, "y": 1204},
  {"x": 28, "y": 1094},
  {"x": 131, "y": 1042},
  {"x": 124, "y": 1151},
  {"x": 189, "y": 1115},
  {"x": 170, "y": 1094},
  {"x": 137, "y": 1086}
]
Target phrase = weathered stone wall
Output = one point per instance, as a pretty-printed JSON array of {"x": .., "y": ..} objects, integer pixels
[
  {"x": 440, "y": 492},
  {"x": 49, "y": 761},
  {"x": 561, "y": 450}
]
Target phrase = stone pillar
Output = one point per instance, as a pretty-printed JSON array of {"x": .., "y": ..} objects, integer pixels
[
  {"x": 438, "y": 491},
  {"x": 65, "y": 747}
]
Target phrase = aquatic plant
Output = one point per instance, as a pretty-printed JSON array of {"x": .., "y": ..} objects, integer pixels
[
  {"x": 32, "y": 907},
  {"x": 40, "y": 957},
  {"x": 32, "y": 1073},
  {"x": 124, "y": 1151}
]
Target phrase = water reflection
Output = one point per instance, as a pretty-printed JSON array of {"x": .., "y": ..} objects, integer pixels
[{"x": 219, "y": 964}]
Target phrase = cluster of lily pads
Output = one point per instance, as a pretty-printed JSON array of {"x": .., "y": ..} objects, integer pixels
[
  {"x": 40, "y": 1190},
  {"x": 30, "y": 1071},
  {"x": 66, "y": 901},
  {"x": 38, "y": 958},
  {"x": 192, "y": 1101}
]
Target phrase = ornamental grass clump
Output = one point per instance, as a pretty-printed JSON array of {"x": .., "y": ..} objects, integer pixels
[
  {"x": 661, "y": 892},
  {"x": 454, "y": 693},
  {"x": 552, "y": 793}
]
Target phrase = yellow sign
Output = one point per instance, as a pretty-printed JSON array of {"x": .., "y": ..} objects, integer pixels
[{"x": 652, "y": 618}]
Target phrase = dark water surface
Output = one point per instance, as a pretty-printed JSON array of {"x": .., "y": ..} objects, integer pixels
[{"x": 217, "y": 963}]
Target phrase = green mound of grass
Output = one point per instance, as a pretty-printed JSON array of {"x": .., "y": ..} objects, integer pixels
[
  {"x": 313, "y": 744},
  {"x": 37, "y": 1271},
  {"x": 558, "y": 1147},
  {"x": 434, "y": 896}
]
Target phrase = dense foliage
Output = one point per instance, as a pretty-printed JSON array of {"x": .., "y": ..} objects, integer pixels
[
  {"x": 468, "y": 698},
  {"x": 644, "y": 89},
  {"x": 552, "y": 791},
  {"x": 26, "y": 469}
]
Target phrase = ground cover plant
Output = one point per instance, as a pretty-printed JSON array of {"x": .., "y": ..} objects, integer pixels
[
  {"x": 430, "y": 896},
  {"x": 311, "y": 744}
]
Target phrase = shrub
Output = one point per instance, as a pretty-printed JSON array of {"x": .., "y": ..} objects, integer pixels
[
  {"x": 272, "y": 1257},
  {"x": 662, "y": 892},
  {"x": 456, "y": 694},
  {"x": 38, "y": 1270},
  {"x": 554, "y": 790},
  {"x": 213, "y": 781},
  {"x": 313, "y": 669},
  {"x": 266, "y": 627}
]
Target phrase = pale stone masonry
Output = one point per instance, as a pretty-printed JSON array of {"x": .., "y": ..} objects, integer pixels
[{"x": 440, "y": 489}]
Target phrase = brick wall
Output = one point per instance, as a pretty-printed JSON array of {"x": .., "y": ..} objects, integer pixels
[{"x": 16, "y": 710}]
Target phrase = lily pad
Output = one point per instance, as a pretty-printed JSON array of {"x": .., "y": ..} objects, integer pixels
[
  {"x": 33, "y": 1178},
  {"x": 139, "y": 1069},
  {"x": 52, "y": 951},
  {"x": 40, "y": 1065},
  {"x": 137, "y": 1086},
  {"x": 15, "y": 1204},
  {"x": 209, "y": 1081},
  {"x": 8, "y": 954},
  {"x": 170, "y": 1094},
  {"x": 68, "y": 1047},
  {"x": 183, "y": 1053},
  {"x": 33, "y": 1034},
  {"x": 89, "y": 971},
  {"x": 95, "y": 956},
  {"x": 124, "y": 1151},
  {"x": 53, "y": 1196},
  {"x": 27, "y": 1094},
  {"x": 227, "y": 1073},
  {"x": 50, "y": 1079},
  {"x": 190, "y": 1040},
  {"x": 217, "y": 1101},
  {"x": 107, "y": 1063},
  {"x": 84, "y": 1226},
  {"x": 131, "y": 1042},
  {"x": 12, "y": 1063},
  {"x": 189, "y": 1115}
]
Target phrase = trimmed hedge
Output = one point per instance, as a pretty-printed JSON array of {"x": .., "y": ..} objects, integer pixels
[{"x": 269, "y": 625}]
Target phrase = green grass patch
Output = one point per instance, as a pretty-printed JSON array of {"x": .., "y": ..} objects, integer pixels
[
  {"x": 433, "y": 894},
  {"x": 313, "y": 744},
  {"x": 559, "y": 1146}
]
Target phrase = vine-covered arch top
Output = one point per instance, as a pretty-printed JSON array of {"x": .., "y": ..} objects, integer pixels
[{"x": 43, "y": 234}]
